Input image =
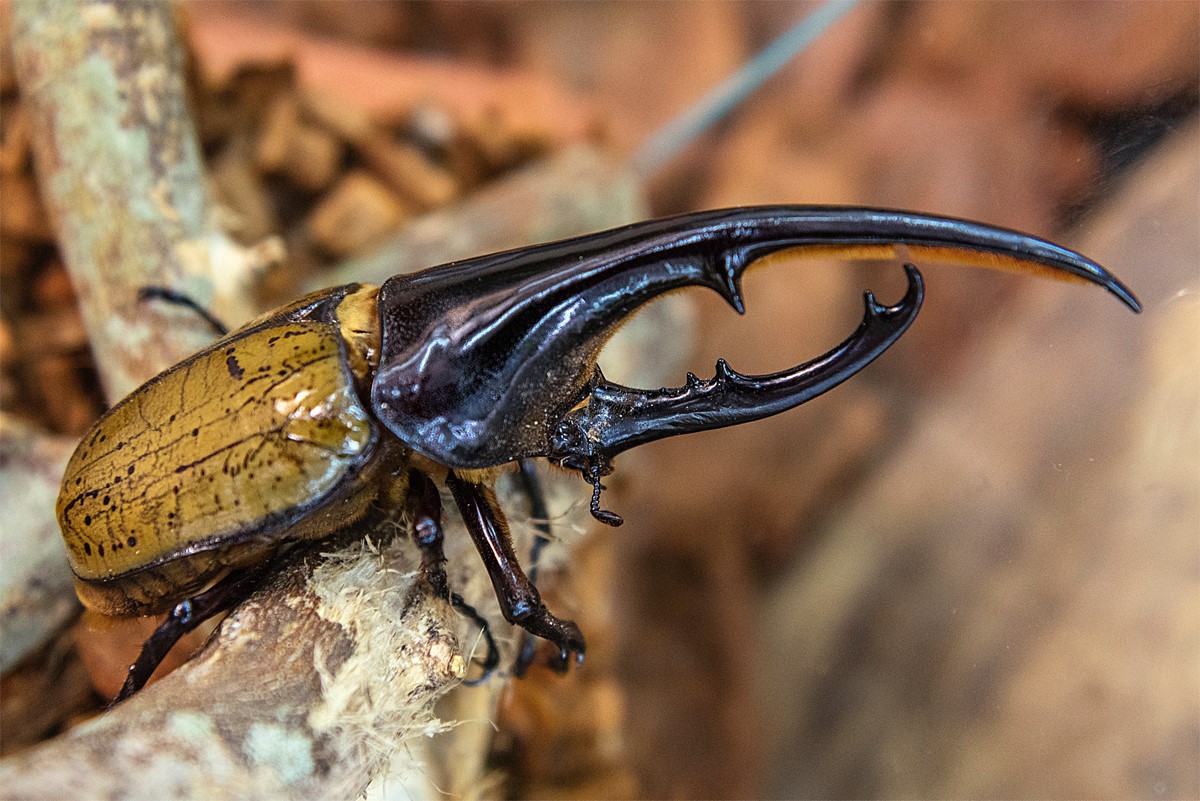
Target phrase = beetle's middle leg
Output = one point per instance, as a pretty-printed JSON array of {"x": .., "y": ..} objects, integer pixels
[
  {"x": 227, "y": 593},
  {"x": 519, "y": 599},
  {"x": 425, "y": 511}
]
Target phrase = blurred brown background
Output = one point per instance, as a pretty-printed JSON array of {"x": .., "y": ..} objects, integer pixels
[{"x": 973, "y": 571}]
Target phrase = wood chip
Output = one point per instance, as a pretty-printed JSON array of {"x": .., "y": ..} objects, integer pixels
[
  {"x": 14, "y": 139},
  {"x": 275, "y": 135},
  {"x": 8, "y": 350},
  {"x": 350, "y": 123},
  {"x": 248, "y": 211},
  {"x": 410, "y": 172},
  {"x": 357, "y": 211},
  {"x": 501, "y": 143},
  {"x": 52, "y": 288},
  {"x": 313, "y": 158},
  {"x": 21, "y": 211}
]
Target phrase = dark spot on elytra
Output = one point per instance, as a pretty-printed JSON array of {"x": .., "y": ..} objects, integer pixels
[
  {"x": 171, "y": 419},
  {"x": 130, "y": 470},
  {"x": 87, "y": 548},
  {"x": 132, "y": 542},
  {"x": 195, "y": 432},
  {"x": 170, "y": 515},
  {"x": 107, "y": 500},
  {"x": 120, "y": 445},
  {"x": 235, "y": 369},
  {"x": 87, "y": 520},
  {"x": 102, "y": 549},
  {"x": 272, "y": 340},
  {"x": 117, "y": 480},
  {"x": 282, "y": 372}
]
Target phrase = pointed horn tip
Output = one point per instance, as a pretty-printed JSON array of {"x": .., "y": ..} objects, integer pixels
[
  {"x": 1097, "y": 274},
  {"x": 1125, "y": 295},
  {"x": 734, "y": 298},
  {"x": 724, "y": 371},
  {"x": 913, "y": 296}
]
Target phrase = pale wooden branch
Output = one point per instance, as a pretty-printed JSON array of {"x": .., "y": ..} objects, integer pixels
[
  {"x": 121, "y": 174},
  {"x": 36, "y": 597}
]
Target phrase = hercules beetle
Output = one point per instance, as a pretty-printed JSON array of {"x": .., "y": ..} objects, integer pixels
[{"x": 291, "y": 426}]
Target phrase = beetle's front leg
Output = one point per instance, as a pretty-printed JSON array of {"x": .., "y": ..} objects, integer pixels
[
  {"x": 185, "y": 616},
  {"x": 425, "y": 513},
  {"x": 519, "y": 599}
]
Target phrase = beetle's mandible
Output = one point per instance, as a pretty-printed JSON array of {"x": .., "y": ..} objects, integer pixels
[{"x": 291, "y": 426}]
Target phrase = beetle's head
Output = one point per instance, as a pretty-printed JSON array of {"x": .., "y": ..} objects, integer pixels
[{"x": 494, "y": 359}]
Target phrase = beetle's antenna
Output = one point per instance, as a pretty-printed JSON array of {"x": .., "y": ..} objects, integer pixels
[
  {"x": 178, "y": 298},
  {"x": 667, "y": 142}
]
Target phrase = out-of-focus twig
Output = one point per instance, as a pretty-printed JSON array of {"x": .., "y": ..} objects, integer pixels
[{"x": 666, "y": 143}]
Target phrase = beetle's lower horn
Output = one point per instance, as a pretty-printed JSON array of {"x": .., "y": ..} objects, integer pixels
[{"x": 616, "y": 418}]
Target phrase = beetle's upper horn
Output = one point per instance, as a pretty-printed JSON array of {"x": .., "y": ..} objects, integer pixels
[{"x": 482, "y": 360}]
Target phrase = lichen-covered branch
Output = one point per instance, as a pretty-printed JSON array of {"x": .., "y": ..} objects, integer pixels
[
  {"x": 36, "y": 597},
  {"x": 122, "y": 176}
]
